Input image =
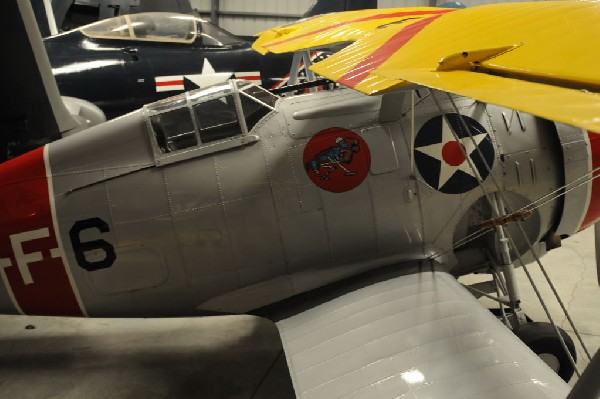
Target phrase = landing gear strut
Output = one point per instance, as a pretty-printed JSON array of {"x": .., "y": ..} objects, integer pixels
[
  {"x": 542, "y": 338},
  {"x": 549, "y": 341}
]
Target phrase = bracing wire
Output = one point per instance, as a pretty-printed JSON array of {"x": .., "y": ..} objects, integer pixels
[
  {"x": 530, "y": 247},
  {"x": 475, "y": 235},
  {"x": 527, "y": 241}
]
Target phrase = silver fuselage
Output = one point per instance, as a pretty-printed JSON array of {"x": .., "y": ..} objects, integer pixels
[{"x": 233, "y": 227}]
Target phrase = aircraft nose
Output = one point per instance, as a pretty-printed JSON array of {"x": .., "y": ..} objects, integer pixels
[
  {"x": 593, "y": 211},
  {"x": 32, "y": 261}
]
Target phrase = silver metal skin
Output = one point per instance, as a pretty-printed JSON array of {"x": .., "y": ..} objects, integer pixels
[
  {"x": 419, "y": 335},
  {"x": 577, "y": 159},
  {"x": 236, "y": 224}
]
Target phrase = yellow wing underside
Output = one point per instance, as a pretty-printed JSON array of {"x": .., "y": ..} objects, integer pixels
[{"x": 540, "y": 57}]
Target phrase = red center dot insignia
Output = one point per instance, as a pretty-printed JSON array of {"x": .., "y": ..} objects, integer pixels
[
  {"x": 453, "y": 153},
  {"x": 337, "y": 159}
]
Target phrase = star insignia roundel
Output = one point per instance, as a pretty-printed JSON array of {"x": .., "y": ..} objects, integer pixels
[{"x": 440, "y": 158}]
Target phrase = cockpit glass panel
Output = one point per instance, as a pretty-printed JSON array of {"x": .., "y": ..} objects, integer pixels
[
  {"x": 253, "y": 111},
  {"x": 174, "y": 130},
  {"x": 217, "y": 119},
  {"x": 112, "y": 28},
  {"x": 163, "y": 27},
  {"x": 168, "y": 103},
  {"x": 211, "y": 91},
  {"x": 213, "y": 36},
  {"x": 261, "y": 94},
  {"x": 151, "y": 26},
  {"x": 256, "y": 103},
  {"x": 212, "y": 114}
]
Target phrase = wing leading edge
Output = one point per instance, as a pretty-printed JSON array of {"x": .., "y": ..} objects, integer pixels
[
  {"x": 415, "y": 336},
  {"x": 526, "y": 56}
]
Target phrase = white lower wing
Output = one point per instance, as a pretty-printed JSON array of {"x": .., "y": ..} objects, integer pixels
[{"x": 414, "y": 336}]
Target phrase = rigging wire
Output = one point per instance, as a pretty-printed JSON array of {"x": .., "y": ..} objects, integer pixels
[
  {"x": 473, "y": 236},
  {"x": 505, "y": 207},
  {"x": 586, "y": 178},
  {"x": 529, "y": 246}
]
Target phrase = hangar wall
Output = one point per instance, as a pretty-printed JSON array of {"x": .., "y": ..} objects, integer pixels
[
  {"x": 250, "y": 17},
  {"x": 243, "y": 17},
  {"x": 414, "y": 3}
]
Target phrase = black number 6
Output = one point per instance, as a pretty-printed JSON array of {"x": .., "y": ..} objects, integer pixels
[{"x": 80, "y": 248}]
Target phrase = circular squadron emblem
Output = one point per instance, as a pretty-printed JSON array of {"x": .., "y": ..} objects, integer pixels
[
  {"x": 441, "y": 160},
  {"x": 337, "y": 159}
]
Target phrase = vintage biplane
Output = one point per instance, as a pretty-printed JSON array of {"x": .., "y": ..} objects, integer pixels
[{"x": 344, "y": 217}]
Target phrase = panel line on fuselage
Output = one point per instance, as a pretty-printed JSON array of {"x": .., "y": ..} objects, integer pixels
[{"x": 59, "y": 241}]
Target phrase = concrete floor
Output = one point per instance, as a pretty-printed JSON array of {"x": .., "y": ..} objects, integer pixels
[
  {"x": 213, "y": 357},
  {"x": 220, "y": 357},
  {"x": 572, "y": 269}
]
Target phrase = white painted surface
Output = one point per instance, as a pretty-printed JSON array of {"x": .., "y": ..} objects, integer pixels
[{"x": 416, "y": 336}]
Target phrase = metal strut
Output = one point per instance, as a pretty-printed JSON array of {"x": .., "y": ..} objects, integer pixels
[
  {"x": 301, "y": 60},
  {"x": 507, "y": 266},
  {"x": 506, "y": 236}
]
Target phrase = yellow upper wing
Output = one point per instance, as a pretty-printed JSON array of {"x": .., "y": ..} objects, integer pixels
[{"x": 541, "y": 57}]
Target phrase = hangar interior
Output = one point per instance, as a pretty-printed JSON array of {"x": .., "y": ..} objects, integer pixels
[
  {"x": 235, "y": 356},
  {"x": 248, "y": 18}
]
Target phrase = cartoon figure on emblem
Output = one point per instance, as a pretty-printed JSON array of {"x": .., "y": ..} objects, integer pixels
[{"x": 341, "y": 152}]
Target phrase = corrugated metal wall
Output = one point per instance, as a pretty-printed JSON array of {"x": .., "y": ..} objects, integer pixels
[
  {"x": 242, "y": 17},
  {"x": 421, "y": 3},
  {"x": 402, "y": 3},
  {"x": 248, "y": 17}
]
